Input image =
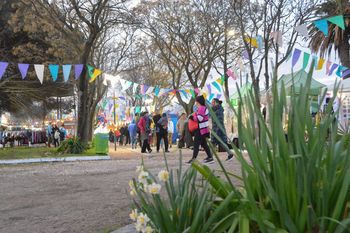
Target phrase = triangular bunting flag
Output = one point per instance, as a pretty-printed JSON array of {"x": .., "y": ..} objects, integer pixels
[
  {"x": 197, "y": 90},
  {"x": 322, "y": 25},
  {"x": 296, "y": 56},
  {"x": 260, "y": 42},
  {"x": 302, "y": 29},
  {"x": 218, "y": 96},
  {"x": 320, "y": 64},
  {"x": 148, "y": 90},
  {"x": 39, "y": 70},
  {"x": 141, "y": 89},
  {"x": 134, "y": 87},
  {"x": 126, "y": 85},
  {"x": 252, "y": 41},
  {"x": 145, "y": 88},
  {"x": 340, "y": 70},
  {"x": 3, "y": 66},
  {"x": 328, "y": 65},
  {"x": 211, "y": 97},
  {"x": 23, "y": 68},
  {"x": 346, "y": 74},
  {"x": 90, "y": 70},
  {"x": 337, "y": 20},
  {"x": 66, "y": 72},
  {"x": 96, "y": 73},
  {"x": 78, "y": 69},
  {"x": 209, "y": 88},
  {"x": 334, "y": 66},
  {"x": 156, "y": 91},
  {"x": 216, "y": 85},
  {"x": 306, "y": 60},
  {"x": 192, "y": 93},
  {"x": 54, "y": 71}
]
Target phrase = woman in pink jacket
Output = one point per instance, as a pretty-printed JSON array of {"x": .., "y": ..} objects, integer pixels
[{"x": 202, "y": 133}]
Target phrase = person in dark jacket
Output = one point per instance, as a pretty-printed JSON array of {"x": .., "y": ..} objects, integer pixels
[
  {"x": 163, "y": 132},
  {"x": 219, "y": 113},
  {"x": 145, "y": 131},
  {"x": 156, "y": 118}
]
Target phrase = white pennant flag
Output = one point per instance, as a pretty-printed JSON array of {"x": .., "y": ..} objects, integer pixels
[
  {"x": 39, "y": 70},
  {"x": 277, "y": 36},
  {"x": 134, "y": 87},
  {"x": 149, "y": 90},
  {"x": 302, "y": 29}
]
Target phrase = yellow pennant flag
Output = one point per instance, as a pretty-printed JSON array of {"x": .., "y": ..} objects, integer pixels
[
  {"x": 116, "y": 105},
  {"x": 96, "y": 73},
  {"x": 204, "y": 94},
  {"x": 320, "y": 64},
  {"x": 252, "y": 41}
]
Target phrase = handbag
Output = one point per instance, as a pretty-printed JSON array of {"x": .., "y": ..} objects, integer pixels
[{"x": 192, "y": 125}]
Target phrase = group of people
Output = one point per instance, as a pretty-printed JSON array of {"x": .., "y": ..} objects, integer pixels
[
  {"x": 55, "y": 134},
  {"x": 144, "y": 128}
]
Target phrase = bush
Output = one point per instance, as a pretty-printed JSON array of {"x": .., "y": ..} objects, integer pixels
[
  {"x": 72, "y": 145},
  {"x": 296, "y": 179}
]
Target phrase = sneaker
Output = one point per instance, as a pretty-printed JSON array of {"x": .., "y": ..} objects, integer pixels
[
  {"x": 208, "y": 160},
  {"x": 150, "y": 151},
  {"x": 229, "y": 158},
  {"x": 191, "y": 160},
  {"x": 167, "y": 151}
]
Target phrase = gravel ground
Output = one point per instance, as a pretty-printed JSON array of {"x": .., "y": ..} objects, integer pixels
[{"x": 74, "y": 196}]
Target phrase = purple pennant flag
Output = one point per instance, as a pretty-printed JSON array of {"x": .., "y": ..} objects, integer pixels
[
  {"x": 23, "y": 68},
  {"x": 218, "y": 96},
  {"x": 145, "y": 88},
  {"x": 334, "y": 66},
  {"x": 3, "y": 66},
  {"x": 245, "y": 55},
  {"x": 296, "y": 56},
  {"x": 209, "y": 88},
  {"x": 346, "y": 73},
  {"x": 78, "y": 69}
]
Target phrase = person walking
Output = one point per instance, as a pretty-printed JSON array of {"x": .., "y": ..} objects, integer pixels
[
  {"x": 49, "y": 134},
  {"x": 170, "y": 132},
  {"x": 180, "y": 128},
  {"x": 219, "y": 113},
  {"x": 163, "y": 132},
  {"x": 156, "y": 118},
  {"x": 56, "y": 135},
  {"x": 63, "y": 133},
  {"x": 145, "y": 131},
  {"x": 202, "y": 133},
  {"x": 133, "y": 133},
  {"x": 127, "y": 135}
]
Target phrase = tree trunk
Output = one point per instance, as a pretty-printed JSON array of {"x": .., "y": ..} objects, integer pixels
[
  {"x": 344, "y": 48},
  {"x": 83, "y": 94}
]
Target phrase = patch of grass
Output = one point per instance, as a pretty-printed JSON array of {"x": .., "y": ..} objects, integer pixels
[{"x": 37, "y": 152}]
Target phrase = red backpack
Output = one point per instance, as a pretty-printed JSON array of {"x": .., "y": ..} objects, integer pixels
[{"x": 192, "y": 125}]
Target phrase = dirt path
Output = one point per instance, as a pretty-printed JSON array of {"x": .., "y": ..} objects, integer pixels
[{"x": 73, "y": 196}]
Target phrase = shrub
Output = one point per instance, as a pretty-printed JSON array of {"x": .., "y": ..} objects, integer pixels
[
  {"x": 296, "y": 179},
  {"x": 72, "y": 145}
]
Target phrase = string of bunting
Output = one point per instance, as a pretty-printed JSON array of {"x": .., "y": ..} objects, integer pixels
[
  {"x": 321, "y": 24},
  {"x": 54, "y": 71},
  {"x": 342, "y": 71},
  {"x": 158, "y": 91}
]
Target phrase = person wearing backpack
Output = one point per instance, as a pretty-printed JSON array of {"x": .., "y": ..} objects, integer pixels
[
  {"x": 201, "y": 116},
  {"x": 63, "y": 133},
  {"x": 163, "y": 132}
]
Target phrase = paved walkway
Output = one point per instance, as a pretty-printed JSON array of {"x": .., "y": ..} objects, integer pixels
[{"x": 83, "y": 196}]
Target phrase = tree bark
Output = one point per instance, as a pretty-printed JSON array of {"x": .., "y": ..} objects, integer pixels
[{"x": 344, "y": 48}]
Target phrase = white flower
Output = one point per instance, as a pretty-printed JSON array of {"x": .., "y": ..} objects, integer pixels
[
  {"x": 142, "y": 219},
  {"x": 133, "y": 215},
  {"x": 139, "y": 168},
  {"x": 154, "y": 188},
  {"x": 139, "y": 227},
  {"x": 143, "y": 177},
  {"x": 133, "y": 192},
  {"x": 147, "y": 229},
  {"x": 131, "y": 184},
  {"x": 163, "y": 175}
]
